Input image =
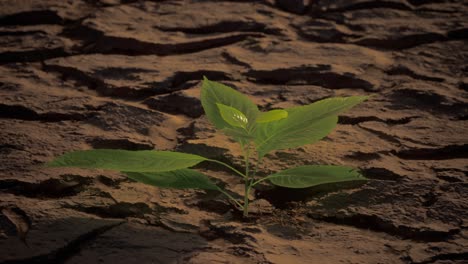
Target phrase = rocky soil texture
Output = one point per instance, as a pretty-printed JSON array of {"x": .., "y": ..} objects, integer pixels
[{"x": 126, "y": 74}]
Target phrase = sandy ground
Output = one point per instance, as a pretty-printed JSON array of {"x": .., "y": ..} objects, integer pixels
[{"x": 126, "y": 74}]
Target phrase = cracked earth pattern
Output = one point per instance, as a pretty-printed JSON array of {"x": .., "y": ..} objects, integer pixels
[{"x": 126, "y": 74}]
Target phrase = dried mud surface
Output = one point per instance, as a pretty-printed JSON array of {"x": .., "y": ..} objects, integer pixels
[{"x": 126, "y": 74}]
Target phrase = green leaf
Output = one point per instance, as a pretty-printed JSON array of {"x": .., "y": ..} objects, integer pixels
[
  {"x": 311, "y": 175},
  {"x": 304, "y": 124},
  {"x": 232, "y": 116},
  {"x": 178, "y": 179},
  {"x": 239, "y": 134},
  {"x": 125, "y": 160},
  {"x": 270, "y": 116},
  {"x": 290, "y": 134},
  {"x": 213, "y": 93}
]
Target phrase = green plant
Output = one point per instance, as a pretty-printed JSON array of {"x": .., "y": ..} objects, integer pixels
[{"x": 257, "y": 133}]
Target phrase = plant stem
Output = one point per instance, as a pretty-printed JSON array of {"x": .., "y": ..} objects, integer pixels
[
  {"x": 256, "y": 182},
  {"x": 240, "y": 206},
  {"x": 228, "y": 166},
  {"x": 247, "y": 156},
  {"x": 247, "y": 181},
  {"x": 257, "y": 165},
  {"x": 259, "y": 161},
  {"x": 246, "y": 198}
]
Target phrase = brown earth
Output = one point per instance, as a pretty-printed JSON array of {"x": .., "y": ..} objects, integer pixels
[{"x": 126, "y": 74}]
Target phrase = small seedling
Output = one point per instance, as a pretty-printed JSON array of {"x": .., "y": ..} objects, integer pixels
[{"x": 258, "y": 133}]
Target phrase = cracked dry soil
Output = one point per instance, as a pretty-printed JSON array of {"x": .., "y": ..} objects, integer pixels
[{"x": 126, "y": 74}]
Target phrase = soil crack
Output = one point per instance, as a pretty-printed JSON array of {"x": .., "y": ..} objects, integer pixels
[
  {"x": 378, "y": 224},
  {"x": 442, "y": 153},
  {"x": 61, "y": 255},
  {"x": 411, "y": 41},
  {"x": 98, "y": 42},
  {"x": 311, "y": 75},
  {"x": 23, "y": 113}
]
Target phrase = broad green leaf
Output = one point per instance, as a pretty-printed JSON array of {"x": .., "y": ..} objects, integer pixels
[
  {"x": 270, "y": 116},
  {"x": 304, "y": 124},
  {"x": 311, "y": 175},
  {"x": 289, "y": 134},
  {"x": 239, "y": 134},
  {"x": 178, "y": 179},
  {"x": 232, "y": 116},
  {"x": 125, "y": 160},
  {"x": 213, "y": 93}
]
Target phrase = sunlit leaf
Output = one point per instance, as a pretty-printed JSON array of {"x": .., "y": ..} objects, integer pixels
[
  {"x": 125, "y": 160},
  {"x": 214, "y": 92},
  {"x": 270, "y": 116},
  {"x": 304, "y": 124},
  {"x": 232, "y": 116},
  {"x": 311, "y": 175},
  {"x": 178, "y": 179}
]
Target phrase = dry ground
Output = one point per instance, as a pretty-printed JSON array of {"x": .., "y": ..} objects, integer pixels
[{"x": 126, "y": 74}]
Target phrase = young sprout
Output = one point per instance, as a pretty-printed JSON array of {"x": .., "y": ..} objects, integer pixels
[{"x": 258, "y": 133}]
